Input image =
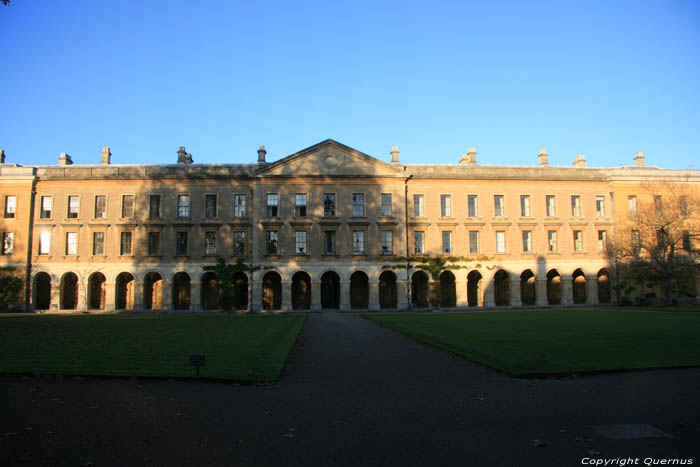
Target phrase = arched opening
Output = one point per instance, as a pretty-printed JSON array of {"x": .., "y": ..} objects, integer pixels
[
  {"x": 240, "y": 297},
  {"x": 96, "y": 291},
  {"x": 420, "y": 289},
  {"x": 579, "y": 287},
  {"x": 553, "y": 287},
  {"x": 153, "y": 291},
  {"x": 473, "y": 286},
  {"x": 448, "y": 291},
  {"x": 501, "y": 288},
  {"x": 124, "y": 291},
  {"x": 42, "y": 291},
  {"x": 301, "y": 291},
  {"x": 69, "y": 291},
  {"x": 181, "y": 291},
  {"x": 330, "y": 290},
  {"x": 528, "y": 293},
  {"x": 603, "y": 286},
  {"x": 359, "y": 291},
  {"x": 209, "y": 289},
  {"x": 387, "y": 290},
  {"x": 272, "y": 291}
]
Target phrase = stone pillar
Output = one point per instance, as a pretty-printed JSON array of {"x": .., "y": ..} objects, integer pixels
[
  {"x": 592, "y": 290},
  {"x": 373, "y": 295},
  {"x": 195, "y": 296},
  {"x": 255, "y": 296},
  {"x": 461, "y": 289},
  {"x": 316, "y": 296},
  {"x": 110, "y": 296},
  {"x": 567, "y": 290},
  {"x": 515, "y": 293},
  {"x": 82, "y": 299},
  {"x": 344, "y": 295},
  {"x": 401, "y": 297},
  {"x": 55, "y": 296},
  {"x": 541, "y": 292},
  {"x": 489, "y": 299},
  {"x": 286, "y": 296},
  {"x": 167, "y": 297},
  {"x": 138, "y": 296}
]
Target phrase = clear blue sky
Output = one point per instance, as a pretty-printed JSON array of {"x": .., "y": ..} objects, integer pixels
[{"x": 604, "y": 79}]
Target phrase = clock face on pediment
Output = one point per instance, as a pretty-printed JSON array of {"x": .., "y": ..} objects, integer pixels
[{"x": 329, "y": 158}]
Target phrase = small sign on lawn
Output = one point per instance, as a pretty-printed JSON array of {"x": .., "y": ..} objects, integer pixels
[{"x": 197, "y": 361}]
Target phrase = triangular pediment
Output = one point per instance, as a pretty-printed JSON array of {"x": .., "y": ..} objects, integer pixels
[{"x": 329, "y": 158}]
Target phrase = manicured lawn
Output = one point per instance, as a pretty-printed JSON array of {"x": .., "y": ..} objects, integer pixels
[
  {"x": 559, "y": 341},
  {"x": 240, "y": 348}
]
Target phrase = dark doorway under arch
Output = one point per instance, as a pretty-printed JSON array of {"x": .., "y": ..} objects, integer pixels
[
  {"x": 473, "y": 288},
  {"x": 448, "y": 290},
  {"x": 420, "y": 289},
  {"x": 603, "y": 286},
  {"x": 578, "y": 286},
  {"x": 553, "y": 287},
  {"x": 124, "y": 296},
  {"x": 330, "y": 290},
  {"x": 42, "y": 291},
  {"x": 181, "y": 291},
  {"x": 301, "y": 291},
  {"x": 153, "y": 291},
  {"x": 501, "y": 288},
  {"x": 359, "y": 291},
  {"x": 96, "y": 291},
  {"x": 209, "y": 290},
  {"x": 528, "y": 292},
  {"x": 69, "y": 291},
  {"x": 387, "y": 290},
  {"x": 272, "y": 291}
]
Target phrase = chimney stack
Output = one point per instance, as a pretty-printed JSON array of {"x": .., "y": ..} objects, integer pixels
[
  {"x": 64, "y": 159},
  {"x": 2, "y": 156},
  {"x": 394, "y": 155},
  {"x": 543, "y": 157},
  {"x": 580, "y": 161},
  {"x": 468, "y": 158},
  {"x": 181, "y": 155},
  {"x": 639, "y": 159},
  {"x": 106, "y": 156},
  {"x": 261, "y": 155}
]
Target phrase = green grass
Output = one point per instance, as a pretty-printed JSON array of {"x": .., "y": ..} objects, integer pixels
[
  {"x": 239, "y": 348},
  {"x": 559, "y": 341}
]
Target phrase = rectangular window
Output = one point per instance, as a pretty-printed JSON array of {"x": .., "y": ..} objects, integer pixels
[
  {"x": 44, "y": 243},
  {"x": 602, "y": 240},
  {"x": 386, "y": 205},
  {"x": 472, "y": 206},
  {"x": 100, "y": 207},
  {"x": 125, "y": 243},
  {"x": 181, "y": 243},
  {"x": 686, "y": 241},
  {"x": 210, "y": 206},
  {"x": 419, "y": 242},
  {"x": 210, "y": 244},
  {"x": 154, "y": 206},
  {"x": 329, "y": 242},
  {"x": 271, "y": 242},
  {"x": 239, "y": 243},
  {"x": 10, "y": 206},
  {"x": 661, "y": 239},
  {"x": 127, "y": 206},
  {"x": 358, "y": 204},
  {"x": 498, "y": 205},
  {"x": 387, "y": 242},
  {"x": 300, "y": 205},
  {"x": 525, "y": 206},
  {"x": 46, "y": 207},
  {"x": 8, "y": 243},
  {"x": 98, "y": 243},
  {"x": 575, "y": 206},
  {"x": 527, "y": 241},
  {"x": 445, "y": 206},
  {"x": 300, "y": 242},
  {"x": 549, "y": 204},
  {"x": 358, "y": 242},
  {"x": 153, "y": 243},
  {"x": 551, "y": 240},
  {"x": 73, "y": 205},
  {"x": 600, "y": 206},
  {"x": 239, "y": 206},
  {"x": 500, "y": 241},
  {"x": 271, "y": 205},
  {"x": 578, "y": 240},
  {"x": 446, "y": 243},
  {"x": 329, "y": 204},
  {"x": 635, "y": 242},
  {"x": 418, "y": 210},
  {"x": 632, "y": 204},
  {"x": 72, "y": 243},
  {"x": 657, "y": 205},
  {"x": 473, "y": 241},
  {"x": 183, "y": 206}
]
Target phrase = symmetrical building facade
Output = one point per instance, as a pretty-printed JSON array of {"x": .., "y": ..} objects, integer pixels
[{"x": 325, "y": 228}]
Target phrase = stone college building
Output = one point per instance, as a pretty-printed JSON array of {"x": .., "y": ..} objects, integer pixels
[{"x": 325, "y": 228}]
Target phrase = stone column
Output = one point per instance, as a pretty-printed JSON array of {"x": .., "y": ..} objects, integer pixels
[
  {"x": 515, "y": 293},
  {"x": 195, "y": 296},
  {"x": 567, "y": 290},
  {"x": 167, "y": 297},
  {"x": 110, "y": 296},
  {"x": 541, "y": 292},
  {"x": 489, "y": 298},
  {"x": 461, "y": 288},
  {"x": 286, "y": 296},
  {"x": 344, "y": 295},
  {"x": 316, "y": 296},
  {"x": 592, "y": 290},
  {"x": 138, "y": 296},
  {"x": 82, "y": 298},
  {"x": 373, "y": 295},
  {"x": 401, "y": 298},
  {"x": 255, "y": 296},
  {"x": 55, "y": 296}
]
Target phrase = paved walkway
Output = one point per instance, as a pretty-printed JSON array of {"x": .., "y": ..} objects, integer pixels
[{"x": 353, "y": 393}]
